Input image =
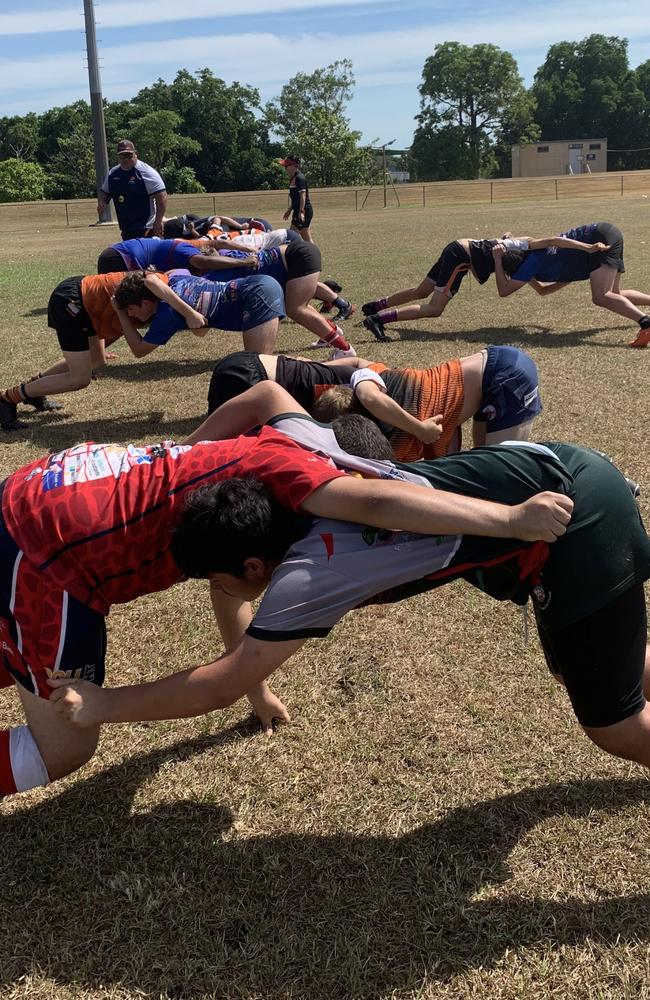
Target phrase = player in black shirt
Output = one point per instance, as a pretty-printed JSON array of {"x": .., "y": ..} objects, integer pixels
[{"x": 300, "y": 208}]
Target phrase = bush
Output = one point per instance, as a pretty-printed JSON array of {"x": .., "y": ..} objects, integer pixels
[{"x": 21, "y": 180}]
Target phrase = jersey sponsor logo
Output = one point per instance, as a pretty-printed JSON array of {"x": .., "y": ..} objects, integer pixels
[{"x": 86, "y": 463}]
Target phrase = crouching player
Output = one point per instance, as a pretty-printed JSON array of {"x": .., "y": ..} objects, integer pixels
[
  {"x": 587, "y": 589},
  {"x": 91, "y": 526},
  {"x": 420, "y": 410}
]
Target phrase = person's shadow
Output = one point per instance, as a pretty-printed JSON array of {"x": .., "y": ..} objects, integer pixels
[
  {"x": 171, "y": 902},
  {"x": 530, "y": 336}
]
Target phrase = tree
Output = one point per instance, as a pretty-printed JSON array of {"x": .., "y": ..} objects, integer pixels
[
  {"x": 467, "y": 89},
  {"x": 19, "y": 136},
  {"x": 587, "y": 90},
  {"x": 225, "y": 121},
  {"x": 309, "y": 119},
  {"x": 72, "y": 168},
  {"x": 157, "y": 138},
  {"x": 21, "y": 180}
]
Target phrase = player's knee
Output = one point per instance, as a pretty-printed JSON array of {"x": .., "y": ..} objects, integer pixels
[
  {"x": 79, "y": 381},
  {"x": 629, "y": 739},
  {"x": 599, "y": 297},
  {"x": 70, "y": 761}
]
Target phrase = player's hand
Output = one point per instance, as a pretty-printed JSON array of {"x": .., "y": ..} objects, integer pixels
[
  {"x": 196, "y": 320},
  {"x": 498, "y": 250},
  {"x": 430, "y": 429},
  {"x": 542, "y": 518},
  {"x": 115, "y": 305},
  {"x": 267, "y": 707},
  {"x": 157, "y": 229},
  {"x": 287, "y": 214},
  {"x": 598, "y": 247},
  {"x": 79, "y": 702}
]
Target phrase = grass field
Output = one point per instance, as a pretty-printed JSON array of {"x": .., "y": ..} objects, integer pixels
[{"x": 433, "y": 824}]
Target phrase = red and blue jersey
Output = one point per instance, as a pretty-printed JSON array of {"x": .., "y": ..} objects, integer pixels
[{"x": 97, "y": 519}]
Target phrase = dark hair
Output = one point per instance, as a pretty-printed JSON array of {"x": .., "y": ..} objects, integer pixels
[
  {"x": 181, "y": 226},
  {"x": 359, "y": 436},
  {"x": 513, "y": 259},
  {"x": 228, "y": 522},
  {"x": 132, "y": 290}
]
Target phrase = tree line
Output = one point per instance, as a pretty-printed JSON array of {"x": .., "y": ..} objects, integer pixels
[{"x": 203, "y": 134}]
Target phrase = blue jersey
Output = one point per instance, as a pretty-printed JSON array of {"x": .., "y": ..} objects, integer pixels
[
  {"x": 200, "y": 293},
  {"x": 270, "y": 262},
  {"x": 554, "y": 264},
  {"x": 139, "y": 254}
]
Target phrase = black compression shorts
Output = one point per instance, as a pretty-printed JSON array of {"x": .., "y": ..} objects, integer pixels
[
  {"x": 302, "y": 259},
  {"x": 234, "y": 375},
  {"x": 66, "y": 314},
  {"x": 450, "y": 268},
  {"x": 601, "y": 659},
  {"x": 111, "y": 261}
]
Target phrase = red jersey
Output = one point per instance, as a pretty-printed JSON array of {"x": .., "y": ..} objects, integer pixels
[{"x": 97, "y": 518}]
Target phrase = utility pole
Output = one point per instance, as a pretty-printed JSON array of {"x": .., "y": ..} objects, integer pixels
[
  {"x": 96, "y": 105},
  {"x": 383, "y": 155}
]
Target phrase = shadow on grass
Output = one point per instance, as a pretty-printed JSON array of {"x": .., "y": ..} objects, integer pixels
[
  {"x": 169, "y": 902},
  {"x": 39, "y": 311},
  {"x": 156, "y": 371},
  {"x": 532, "y": 336},
  {"x": 55, "y": 431}
]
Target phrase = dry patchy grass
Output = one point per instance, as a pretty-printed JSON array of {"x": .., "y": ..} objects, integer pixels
[{"x": 433, "y": 824}]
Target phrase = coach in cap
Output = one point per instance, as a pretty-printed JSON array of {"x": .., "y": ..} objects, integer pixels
[{"x": 138, "y": 192}]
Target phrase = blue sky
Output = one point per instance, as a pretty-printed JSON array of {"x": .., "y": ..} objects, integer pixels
[{"x": 264, "y": 42}]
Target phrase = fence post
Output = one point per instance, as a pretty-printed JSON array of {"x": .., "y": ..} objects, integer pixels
[
  {"x": 621, "y": 185},
  {"x": 356, "y": 200},
  {"x": 424, "y": 197},
  {"x": 556, "y": 188},
  {"x": 214, "y": 205},
  {"x": 491, "y": 193},
  {"x": 67, "y": 217}
]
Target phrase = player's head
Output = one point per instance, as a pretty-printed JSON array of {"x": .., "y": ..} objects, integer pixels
[
  {"x": 513, "y": 259},
  {"x": 335, "y": 402},
  {"x": 133, "y": 295},
  {"x": 359, "y": 436},
  {"x": 235, "y": 532}
]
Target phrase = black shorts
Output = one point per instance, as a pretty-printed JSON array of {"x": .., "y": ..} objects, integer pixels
[
  {"x": 306, "y": 221},
  {"x": 601, "y": 659},
  {"x": 66, "y": 314},
  {"x": 605, "y": 232},
  {"x": 302, "y": 259},
  {"x": 450, "y": 268},
  {"x": 234, "y": 375},
  {"x": 111, "y": 261}
]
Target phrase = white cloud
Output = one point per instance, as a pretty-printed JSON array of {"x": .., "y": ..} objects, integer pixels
[{"x": 124, "y": 15}]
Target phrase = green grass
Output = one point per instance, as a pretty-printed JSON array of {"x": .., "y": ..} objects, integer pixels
[{"x": 433, "y": 824}]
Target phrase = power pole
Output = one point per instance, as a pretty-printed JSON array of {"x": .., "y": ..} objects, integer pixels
[{"x": 96, "y": 105}]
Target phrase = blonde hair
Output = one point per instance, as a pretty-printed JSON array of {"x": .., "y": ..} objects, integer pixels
[{"x": 335, "y": 402}]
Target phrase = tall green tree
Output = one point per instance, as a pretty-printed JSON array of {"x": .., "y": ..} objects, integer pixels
[
  {"x": 19, "y": 136},
  {"x": 225, "y": 120},
  {"x": 309, "y": 120},
  {"x": 158, "y": 139},
  {"x": 466, "y": 96},
  {"x": 587, "y": 90}
]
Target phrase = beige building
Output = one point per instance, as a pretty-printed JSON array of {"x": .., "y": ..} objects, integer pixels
[{"x": 548, "y": 159}]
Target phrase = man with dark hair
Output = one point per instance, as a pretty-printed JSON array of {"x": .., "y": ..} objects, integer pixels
[
  {"x": 138, "y": 192},
  {"x": 587, "y": 589},
  {"x": 91, "y": 526},
  {"x": 253, "y": 304}
]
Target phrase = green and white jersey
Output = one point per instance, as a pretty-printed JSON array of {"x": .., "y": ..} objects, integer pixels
[{"x": 338, "y": 566}]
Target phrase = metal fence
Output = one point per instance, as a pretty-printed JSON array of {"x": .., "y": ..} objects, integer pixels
[{"x": 57, "y": 214}]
